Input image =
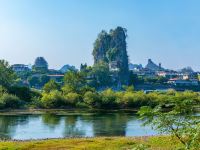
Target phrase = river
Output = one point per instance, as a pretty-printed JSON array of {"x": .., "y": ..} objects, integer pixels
[{"x": 26, "y": 126}]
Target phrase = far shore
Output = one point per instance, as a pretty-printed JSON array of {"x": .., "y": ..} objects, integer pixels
[{"x": 71, "y": 110}]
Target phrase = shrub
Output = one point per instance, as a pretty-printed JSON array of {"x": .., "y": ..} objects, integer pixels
[
  {"x": 24, "y": 93},
  {"x": 54, "y": 99},
  {"x": 9, "y": 101},
  {"x": 128, "y": 99},
  {"x": 2, "y": 90},
  {"x": 92, "y": 99},
  {"x": 67, "y": 89},
  {"x": 72, "y": 98},
  {"x": 135, "y": 99},
  {"x": 108, "y": 98},
  {"x": 119, "y": 99}
]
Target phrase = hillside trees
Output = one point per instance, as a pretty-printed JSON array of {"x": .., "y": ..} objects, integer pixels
[{"x": 110, "y": 48}]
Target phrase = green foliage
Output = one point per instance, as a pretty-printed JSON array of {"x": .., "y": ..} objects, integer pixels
[
  {"x": 50, "y": 86},
  {"x": 38, "y": 81},
  {"x": 128, "y": 88},
  {"x": 101, "y": 73},
  {"x": 111, "y": 47},
  {"x": 7, "y": 76},
  {"x": 9, "y": 101},
  {"x": 176, "y": 116},
  {"x": 24, "y": 93},
  {"x": 92, "y": 99},
  {"x": 44, "y": 79},
  {"x": 135, "y": 99},
  {"x": 53, "y": 99},
  {"x": 34, "y": 81},
  {"x": 68, "y": 88},
  {"x": 102, "y": 42},
  {"x": 108, "y": 98},
  {"x": 74, "y": 80},
  {"x": 85, "y": 89},
  {"x": 2, "y": 90},
  {"x": 72, "y": 98},
  {"x": 111, "y": 54}
]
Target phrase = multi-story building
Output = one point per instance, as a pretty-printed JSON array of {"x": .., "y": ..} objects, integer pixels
[{"x": 20, "y": 68}]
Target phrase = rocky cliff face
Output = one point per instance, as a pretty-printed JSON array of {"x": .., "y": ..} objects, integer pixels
[
  {"x": 101, "y": 46},
  {"x": 111, "y": 48}
]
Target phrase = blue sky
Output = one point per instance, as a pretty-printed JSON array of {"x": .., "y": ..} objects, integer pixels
[{"x": 63, "y": 31}]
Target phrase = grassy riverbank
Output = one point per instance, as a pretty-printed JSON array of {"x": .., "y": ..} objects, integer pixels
[{"x": 105, "y": 143}]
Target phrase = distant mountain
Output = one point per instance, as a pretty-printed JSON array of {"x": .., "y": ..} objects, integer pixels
[
  {"x": 153, "y": 67},
  {"x": 67, "y": 68}
]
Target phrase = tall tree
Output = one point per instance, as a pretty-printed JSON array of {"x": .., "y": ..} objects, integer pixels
[
  {"x": 75, "y": 80},
  {"x": 7, "y": 76},
  {"x": 101, "y": 74}
]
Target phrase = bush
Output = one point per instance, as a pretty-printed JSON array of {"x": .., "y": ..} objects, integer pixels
[
  {"x": 72, "y": 98},
  {"x": 9, "y": 101},
  {"x": 92, "y": 99},
  {"x": 2, "y": 90},
  {"x": 24, "y": 93},
  {"x": 137, "y": 99},
  {"x": 128, "y": 99},
  {"x": 54, "y": 99},
  {"x": 108, "y": 98}
]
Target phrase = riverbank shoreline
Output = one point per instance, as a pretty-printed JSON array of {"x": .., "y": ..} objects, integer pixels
[
  {"x": 41, "y": 111},
  {"x": 111, "y": 143}
]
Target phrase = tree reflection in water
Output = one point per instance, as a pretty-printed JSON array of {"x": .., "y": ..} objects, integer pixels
[
  {"x": 71, "y": 126},
  {"x": 110, "y": 124},
  {"x": 51, "y": 120},
  {"x": 9, "y": 123},
  {"x": 68, "y": 124}
]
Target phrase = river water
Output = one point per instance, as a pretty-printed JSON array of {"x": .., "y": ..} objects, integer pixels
[{"x": 71, "y": 124}]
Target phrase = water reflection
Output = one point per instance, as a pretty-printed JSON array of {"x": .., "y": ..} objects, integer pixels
[
  {"x": 51, "y": 120},
  {"x": 74, "y": 126},
  {"x": 8, "y": 125},
  {"x": 69, "y": 125},
  {"x": 109, "y": 124}
]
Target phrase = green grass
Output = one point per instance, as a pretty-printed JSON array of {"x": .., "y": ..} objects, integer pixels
[{"x": 100, "y": 143}]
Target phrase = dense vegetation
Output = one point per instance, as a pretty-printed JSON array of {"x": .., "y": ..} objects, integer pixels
[{"x": 77, "y": 93}]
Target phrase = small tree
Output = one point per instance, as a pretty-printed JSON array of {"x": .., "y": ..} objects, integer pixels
[
  {"x": 177, "y": 118},
  {"x": 75, "y": 80},
  {"x": 92, "y": 99},
  {"x": 50, "y": 86},
  {"x": 7, "y": 75},
  {"x": 101, "y": 74},
  {"x": 53, "y": 99}
]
